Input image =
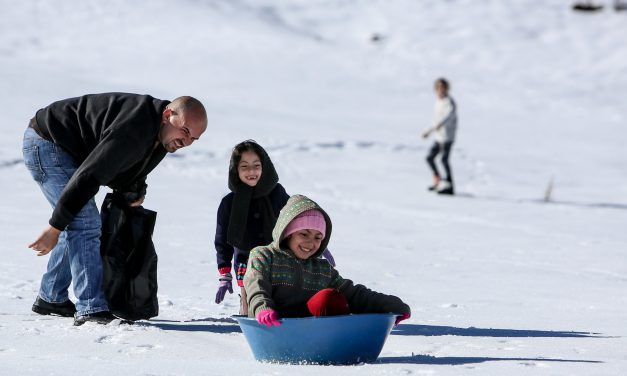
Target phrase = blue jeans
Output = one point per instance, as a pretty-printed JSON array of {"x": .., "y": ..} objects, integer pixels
[{"x": 76, "y": 257}]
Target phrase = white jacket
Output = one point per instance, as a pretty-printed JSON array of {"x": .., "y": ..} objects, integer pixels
[{"x": 445, "y": 119}]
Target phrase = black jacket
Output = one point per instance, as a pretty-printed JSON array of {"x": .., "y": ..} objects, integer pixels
[
  {"x": 112, "y": 136},
  {"x": 278, "y": 197}
]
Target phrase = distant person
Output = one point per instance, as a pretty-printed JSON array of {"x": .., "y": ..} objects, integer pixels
[
  {"x": 288, "y": 278},
  {"x": 74, "y": 146},
  {"x": 444, "y": 127},
  {"x": 247, "y": 215}
]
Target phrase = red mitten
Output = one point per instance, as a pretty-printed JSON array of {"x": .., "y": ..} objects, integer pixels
[{"x": 268, "y": 317}]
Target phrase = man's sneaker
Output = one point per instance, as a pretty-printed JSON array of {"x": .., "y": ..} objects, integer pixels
[
  {"x": 445, "y": 188},
  {"x": 65, "y": 309},
  {"x": 104, "y": 318}
]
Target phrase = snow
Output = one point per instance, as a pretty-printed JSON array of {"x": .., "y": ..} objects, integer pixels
[{"x": 499, "y": 281}]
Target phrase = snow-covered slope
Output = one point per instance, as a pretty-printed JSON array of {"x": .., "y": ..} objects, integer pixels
[{"x": 499, "y": 281}]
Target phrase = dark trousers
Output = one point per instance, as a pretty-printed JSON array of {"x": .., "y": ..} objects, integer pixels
[{"x": 445, "y": 150}]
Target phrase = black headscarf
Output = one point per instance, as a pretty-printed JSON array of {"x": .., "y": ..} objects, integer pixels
[{"x": 237, "y": 235}]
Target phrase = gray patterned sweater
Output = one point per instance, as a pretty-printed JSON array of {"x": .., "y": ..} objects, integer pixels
[{"x": 277, "y": 279}]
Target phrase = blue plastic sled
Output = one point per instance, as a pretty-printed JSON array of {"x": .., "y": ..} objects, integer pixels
[{"x": 348, "y": 339}]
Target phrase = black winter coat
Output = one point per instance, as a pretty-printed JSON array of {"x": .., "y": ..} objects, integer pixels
[
  {"x": 278, "y": 197},
  {"x": 113, "y": 138}
]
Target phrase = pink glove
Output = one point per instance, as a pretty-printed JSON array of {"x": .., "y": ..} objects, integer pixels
[
  {"x": 268, "y": 317},
  {"x": 402, "y": 317}
]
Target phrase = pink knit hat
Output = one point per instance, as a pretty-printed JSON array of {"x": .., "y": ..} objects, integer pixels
[{"x": 308, "y": 220}]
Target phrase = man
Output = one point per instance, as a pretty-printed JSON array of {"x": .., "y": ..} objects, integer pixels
[
  {"x": 445, "y": 127},
  {"x": 74, "y": 146}
]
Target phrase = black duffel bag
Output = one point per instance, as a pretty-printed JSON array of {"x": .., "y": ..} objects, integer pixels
[{"x": 129, "y": 259}]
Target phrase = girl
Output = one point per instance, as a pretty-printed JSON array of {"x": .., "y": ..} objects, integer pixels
[
  {"x": 247, "y": 215},
  {"x": 287, "y": 278},
  {"x": 445, "y": 127}
]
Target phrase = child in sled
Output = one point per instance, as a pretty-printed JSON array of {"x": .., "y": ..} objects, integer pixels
[
  {"x": 247, "y": 215},
  {"x": 287, "y": 278}
]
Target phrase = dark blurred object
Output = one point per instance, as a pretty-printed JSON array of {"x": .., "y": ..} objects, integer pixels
[
  {"x": 376, "y": 38},
  {"x": 619, "y": 5},
  {"x": 129, "y": 259},
  {"x": 587, "y": 6}
]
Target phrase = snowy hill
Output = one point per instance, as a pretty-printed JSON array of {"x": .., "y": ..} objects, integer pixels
[{"x": 499, "y": 281}]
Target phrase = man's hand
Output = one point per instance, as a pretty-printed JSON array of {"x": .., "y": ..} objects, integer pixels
[
  {"x": 46, "y": 241},
  {"x": 426, "y": 133},
  {"x": 137, "y": 202}
]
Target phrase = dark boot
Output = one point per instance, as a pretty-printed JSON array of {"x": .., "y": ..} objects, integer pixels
[
  {"x": 104, "y": 318},
  {"x": 445, "y": 188},
  {"x": 65, "y": 309}
]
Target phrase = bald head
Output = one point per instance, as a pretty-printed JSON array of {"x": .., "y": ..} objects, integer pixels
[
  {"x": 190, "y": 107},
  {"x": 183, "y": 121}
]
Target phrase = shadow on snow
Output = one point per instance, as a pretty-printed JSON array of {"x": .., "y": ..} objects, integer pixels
[
  {"x": 431, "y": 330},
  {"x": 192, "y": 326},
  {"x": 598, "y": 205},
  {"x": 457, "y": 360},
  {"x": 229, "y": 325}
]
